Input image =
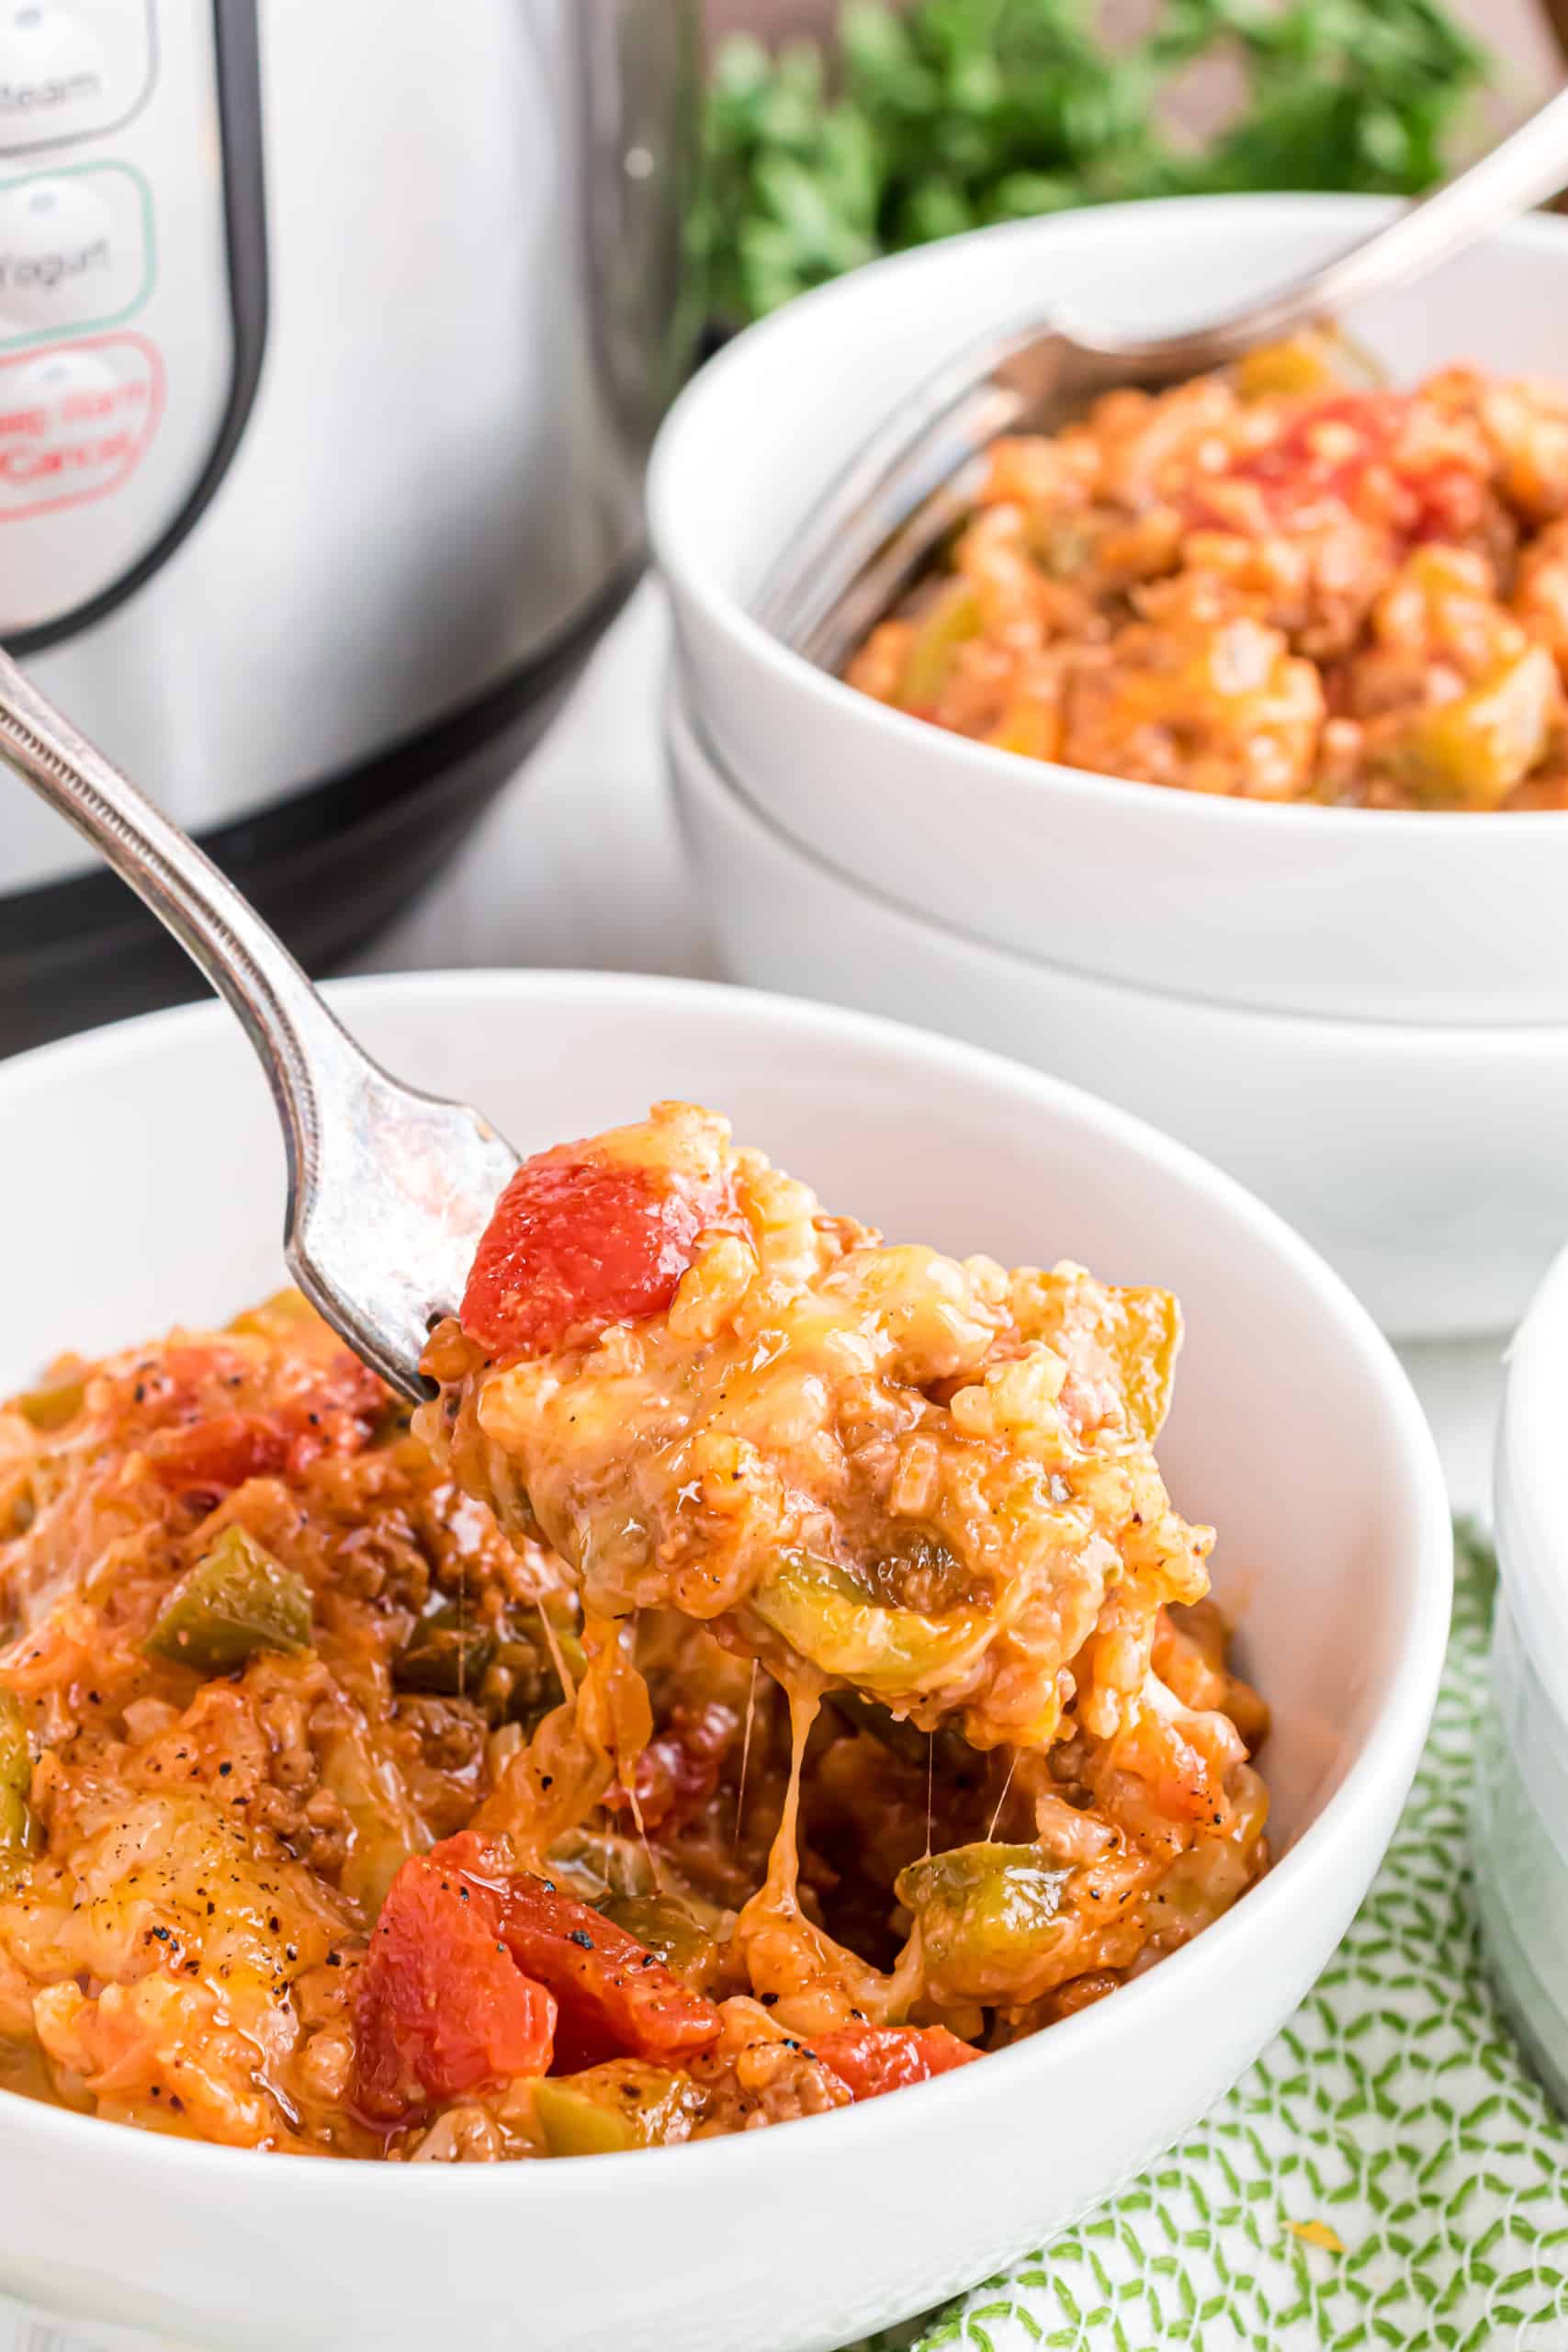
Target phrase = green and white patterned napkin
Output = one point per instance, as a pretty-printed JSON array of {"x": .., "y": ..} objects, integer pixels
[{"x": 1388, "y": 2175}]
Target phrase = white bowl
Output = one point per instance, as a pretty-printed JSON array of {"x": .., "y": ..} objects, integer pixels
[
  {"x": 145, "y": 1184},
  {"x": 1520, "y": 1811},
  {"x": 1445, "y": 918},
  {"x": 1429, "y": 1165}
]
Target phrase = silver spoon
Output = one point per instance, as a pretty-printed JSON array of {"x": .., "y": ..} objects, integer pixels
[
  {"x": 388, "y": 1189},
  {"x": 918, "y": 475}
]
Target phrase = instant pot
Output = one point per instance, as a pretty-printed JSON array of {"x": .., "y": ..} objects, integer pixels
[{"x": 333, "y": 336}]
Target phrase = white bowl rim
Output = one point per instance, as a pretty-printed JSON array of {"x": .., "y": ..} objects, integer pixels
[
  {"x": 1387, "y": 1756},
  {"x": 1511, "y": 1040},
  {"x": 1116, "y": 795}
]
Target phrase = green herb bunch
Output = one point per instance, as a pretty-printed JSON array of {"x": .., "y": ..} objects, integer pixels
[{"x": 951, "y": 114}]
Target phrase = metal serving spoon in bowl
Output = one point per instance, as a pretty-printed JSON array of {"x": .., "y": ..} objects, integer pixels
[
  {"x": 916, "y": 477},
  {"x": 388, "y": 1189}
]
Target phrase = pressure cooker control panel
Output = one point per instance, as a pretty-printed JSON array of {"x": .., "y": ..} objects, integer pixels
[{"x": 117, "y": 325}]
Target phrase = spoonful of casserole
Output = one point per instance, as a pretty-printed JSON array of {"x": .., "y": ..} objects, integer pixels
[
  {"x": 920, "y": 1487},
  {"x": 870, "y": 1466}
]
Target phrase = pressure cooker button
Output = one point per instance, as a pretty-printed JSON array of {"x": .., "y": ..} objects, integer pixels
[
  {"x": 61, "y": 384},
  {"x": 74, "y": 248},
  {"x": 76, "y": 422},
  {"x": 55, "y": 79}
]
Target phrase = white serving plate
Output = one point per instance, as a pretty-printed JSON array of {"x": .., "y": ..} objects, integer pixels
[
  {"x": 1431, "y": 918},
  {"x": 143, "y": 1182},
  {"x": 1429, "y": 1165}
]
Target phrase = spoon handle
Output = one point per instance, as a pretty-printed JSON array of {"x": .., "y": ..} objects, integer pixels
[
  {"x": 1526, "y": 168},
  {"x": 389, "y": 1188},
  {"x": 297, "y": 1038},
  {"x": 1528, "y": 165}
]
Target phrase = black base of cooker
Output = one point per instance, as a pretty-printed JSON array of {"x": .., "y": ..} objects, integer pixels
[{"x": 329, "y": 867}]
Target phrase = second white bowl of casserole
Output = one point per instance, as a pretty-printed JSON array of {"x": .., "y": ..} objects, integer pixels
[{"x": 1437, "y": 918}]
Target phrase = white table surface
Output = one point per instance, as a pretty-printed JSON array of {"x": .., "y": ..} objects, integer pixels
[{"x": 579, "y": 863}]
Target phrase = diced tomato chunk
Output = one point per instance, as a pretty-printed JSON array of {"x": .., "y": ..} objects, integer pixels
[
  {"x": 616, "y": 1999},
  {"x": 577, "y": 1243},
  {"x": 441, "y": 2006},
  {"x": 871, "y": 2059},
  {"x": 337, "y": 1414},
  {"x": 608, "y": 1995},
  {"x": 1332, "y": 451},
  {"x": 1450, "y": 504},
  {"x": 1328, "y": 447},
  {"x": 216, "y": 1455}
]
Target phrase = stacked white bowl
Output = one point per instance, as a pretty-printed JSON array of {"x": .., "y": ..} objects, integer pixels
[
  {"x": 1364, "y": 1015},
  {"x": 1519, "y": 1818}
]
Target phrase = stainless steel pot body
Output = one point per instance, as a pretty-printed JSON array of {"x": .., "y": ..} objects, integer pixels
[{"x": 332, "y": 335}]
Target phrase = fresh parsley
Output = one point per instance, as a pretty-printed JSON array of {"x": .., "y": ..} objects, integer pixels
[{"x": 953, "y": 114}]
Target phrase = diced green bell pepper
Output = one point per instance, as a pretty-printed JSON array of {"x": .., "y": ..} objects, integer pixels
[
  {"x": 607, "y": 2109},
  {"x": 1470, "y": 753},
  {"x": 1063, "y": 545},
  {"x": 51, "y": 1404},
  {"x": 393, "y": 1422},
  {"x": 952, "y": 621},
  {"x": 813, "y": 1606},
  {"x": 16, "y": 1778},
  {"x": 1144, "y": 1344},
  {"x": 670, "y": 1932},
  {"x": 1304, "y": 363},
  {"x": 527, "y": 1685},
  {"x": 448, "y": 1653},
  {"x": 237, "y": 1600},
  {"x": 1131, "y": 1336},
  {"x": 568, "y": 1641},
  {"x": 985, "y": 1912},
  {"x": 384, "y": 1824},
  {"x": 595, "y": 1866}
]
